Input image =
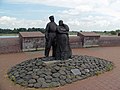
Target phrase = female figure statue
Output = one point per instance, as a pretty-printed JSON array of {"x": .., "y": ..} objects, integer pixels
[{"x": 63, "y": 50}]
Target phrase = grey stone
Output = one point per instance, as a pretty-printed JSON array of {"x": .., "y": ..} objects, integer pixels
[
  {"x": 22, "y": 75},
  {"x": 55, "y": 79},
  {"x": 83, "y": 72},
  {"x": 57, "y": 68},
  {"x": 48, "y": 73},
  {"x": 31, "y": 81},
  {"x": 39, "y": 72},
  {"x": 29, "y": 65},
  {"x": 34, "y": 67},
  {"x": 25, "y": 83},
  {"x": 55, "y": 84},
  {"x": 87, "y": 70},
  {"x": 17, "y": 78},
  {"x": 74, "y": 79},
  {"x": 79, "y": 77},
  {"x": 34, "y": 62},
  {"x": 41, "y": 80},
  {"x": 37, "y": 85},
  {"x": 43, "y": 64},
  {"x": 68, "y": 72},
  {"x": 53, "y": 70},
  {"x": 56, "y": 75},
  {"x": 35, "y": 77},
  {"x": 42, "y": 75},
  {"x": 68, "y": 80},
  {"x": 29, "y": 69},
  {"x": 62, "y": 82},
  {"x": 16, "y": 73},
  {"x": 48, "y": 77},
  {"x": 27, "y": 77},
  {"x": 45, "y": 85},
  {"x": 69, "y": 76},
  {"x": 39, "y": 63},
  {"x": 83, "y": 66},
  {"x": 48, "y": 81},
  {"x": 35, "y": 70},
  {"x": 88, "y": 74},
  {"x": 62, "y": 72},
  {"x": 19, "y": 81},
  {"x": 63, "y": 77},
  {"x": 30, "y": 85},
  {"x": 63, "y": 68},
  {"x": 29, "y": 73}
]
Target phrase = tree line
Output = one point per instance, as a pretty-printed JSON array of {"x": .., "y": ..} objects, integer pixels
[
  {"x": 17, "y": 30},
  {"x": 42, "y": 30},
  {"x": 113, "y": 32}
]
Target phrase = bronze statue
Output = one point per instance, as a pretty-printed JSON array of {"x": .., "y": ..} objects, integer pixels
[
  {"x": 63, "y": 50},
  {"x": 50, "y": 36}
]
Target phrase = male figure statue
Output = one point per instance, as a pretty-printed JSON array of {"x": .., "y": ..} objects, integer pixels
[{"x": 50, "y": 36}]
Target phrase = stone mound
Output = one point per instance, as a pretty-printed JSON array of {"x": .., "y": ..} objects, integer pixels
[{"x": 40, "y": 73}]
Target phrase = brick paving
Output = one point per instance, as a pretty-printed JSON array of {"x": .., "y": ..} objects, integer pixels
[{"x": 107, "y": 81}]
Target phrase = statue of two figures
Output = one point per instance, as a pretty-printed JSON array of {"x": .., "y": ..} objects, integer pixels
[{"x": 57, "y": 37}]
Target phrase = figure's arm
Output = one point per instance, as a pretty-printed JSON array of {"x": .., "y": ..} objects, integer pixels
[
  {"x": 67, "y": 28},
  {"x": 46, "y": 31},
  {"x": 61, "y": 30}
]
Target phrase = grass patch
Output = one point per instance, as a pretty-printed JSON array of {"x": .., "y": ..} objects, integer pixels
[
  {"x": 8, "y": 34},
  {"x": 109, "y": 67}
]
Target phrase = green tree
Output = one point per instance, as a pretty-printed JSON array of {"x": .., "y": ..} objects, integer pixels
[
  {"x": 105, "y": 31},
  {"x": 118, "y": 31},
  {"x": 113, "y": 32}
]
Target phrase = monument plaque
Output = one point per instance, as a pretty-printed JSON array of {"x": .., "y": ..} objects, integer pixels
[{"x": 76, "y": 71}]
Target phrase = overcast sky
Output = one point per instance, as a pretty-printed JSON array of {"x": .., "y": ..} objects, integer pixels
[{"x": 86, "y": 15}]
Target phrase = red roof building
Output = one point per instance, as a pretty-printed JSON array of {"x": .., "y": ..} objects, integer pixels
[
  {"x": 89, "y": 39},
  {"x": 31, "y": 34},
  {"x": 31, "y": 40}
]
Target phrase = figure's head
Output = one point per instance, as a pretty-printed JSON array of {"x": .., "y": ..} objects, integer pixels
[
  {"x": 51, "y": 18},
  {"x": 60, "y": 22}
]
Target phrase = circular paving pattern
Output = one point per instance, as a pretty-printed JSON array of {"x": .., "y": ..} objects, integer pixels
[{"x": 46, "y": 72}]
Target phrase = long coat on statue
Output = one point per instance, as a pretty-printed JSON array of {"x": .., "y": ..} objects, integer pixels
[{"x": 63, "y": 50}]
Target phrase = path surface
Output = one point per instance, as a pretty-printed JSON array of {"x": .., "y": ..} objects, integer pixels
[{"x": 107, "y": 81}]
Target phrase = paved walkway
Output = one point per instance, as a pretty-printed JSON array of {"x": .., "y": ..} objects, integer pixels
[{"x": 107, "y": 81}]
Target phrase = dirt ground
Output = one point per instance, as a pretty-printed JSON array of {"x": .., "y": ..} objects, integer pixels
[{"x": 107, "y": 81}]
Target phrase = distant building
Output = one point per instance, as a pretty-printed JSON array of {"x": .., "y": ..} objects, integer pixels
[
  {"x": 89, "y": 39},
  {"x": 75, "y": 41},
  {"x": 31, "y": 40}
]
